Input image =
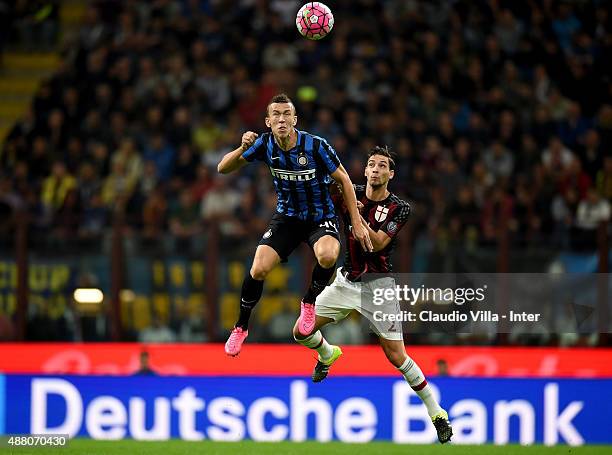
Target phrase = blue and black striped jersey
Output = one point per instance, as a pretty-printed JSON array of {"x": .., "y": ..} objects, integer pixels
[{"x": 301, "y": 175}]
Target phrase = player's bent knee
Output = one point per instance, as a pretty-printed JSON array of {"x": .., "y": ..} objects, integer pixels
[
  {"x": 327, "y": 260},
  {"x": 264, "y": 261},
  {"x": 327, "y": 257},
  {"x": 326, "y": 250},
  {"x": 259, "y": 272}
]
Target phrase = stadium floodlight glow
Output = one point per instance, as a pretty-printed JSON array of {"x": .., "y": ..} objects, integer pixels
[{"x": 88, "y": 295}]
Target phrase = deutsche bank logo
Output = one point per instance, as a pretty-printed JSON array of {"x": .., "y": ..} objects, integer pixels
[{"x": 195, "y": 408}]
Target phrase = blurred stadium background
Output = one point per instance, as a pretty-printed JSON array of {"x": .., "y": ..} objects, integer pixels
[{"x": 122, "y": 250}]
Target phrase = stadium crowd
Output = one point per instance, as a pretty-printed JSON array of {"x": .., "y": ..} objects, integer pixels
[{"x": 499, "y": 112}]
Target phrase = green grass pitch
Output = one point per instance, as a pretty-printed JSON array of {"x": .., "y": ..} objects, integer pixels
[{"x": 177, "y": 447}]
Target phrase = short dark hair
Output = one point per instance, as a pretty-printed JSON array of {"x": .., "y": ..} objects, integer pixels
[
  {"x": 383, "y": 151},
  {"x": 280, "y": 98}
]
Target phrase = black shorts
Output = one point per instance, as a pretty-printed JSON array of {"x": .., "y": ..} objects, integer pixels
[{"x": 285, "y": 233}]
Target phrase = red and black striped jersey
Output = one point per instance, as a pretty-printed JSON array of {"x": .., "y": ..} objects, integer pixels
[{"x": 388, "y": 215}]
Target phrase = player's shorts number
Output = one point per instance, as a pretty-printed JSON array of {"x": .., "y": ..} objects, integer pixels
[{"x": 329, "y": 224}]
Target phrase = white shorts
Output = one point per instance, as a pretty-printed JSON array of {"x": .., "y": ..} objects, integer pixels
[{"x": 343, "y": 296}]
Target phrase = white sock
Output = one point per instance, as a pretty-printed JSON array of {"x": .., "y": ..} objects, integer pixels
[
  {"x": 416, "y": 379},
  {"x": 317, "y": 341}
]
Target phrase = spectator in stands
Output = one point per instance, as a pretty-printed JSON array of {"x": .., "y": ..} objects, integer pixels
[
  {"x": 206, "y": 134},
  {"x": 219, "y": 205},
  {"x": 498, "y": 161},
  {"x": 442, "y": 367},
  {"x": 574, "y": 126},
  {"x": 186, "y": 166},
  {"x": 185, "y": 222},
  {"x": 497, "y": 213},
  {"x": 154, "y": 221},
  {"x": 55, "y": 188},
  {"x": 160, "y": 153},
  {"x": 100, "y": 158},
  {"x": 131, "y": 159},
  {"x": 604, "y": 179},
  {"x": 157, "y": 332},
  {"x": 149, "y": 180},
  {"x": 39, "y": 161},
  {"x": 180, "y": 130},
  {"x": 557, "y": 158},
  {"x": 576, "y": 178},
  {"x": 67, "y": 218},
  {"x": 118, "y": 187},
  {"x": 144, "y": 367},
  {"x": 203, "y": 182},
  {"x": 94, "y": 221},
  {"x": 591, "y": 153},
  {"x": 563, "y": 208},
  {"x": 463, "y": 216},
  {"x": 592, "y": 211}
]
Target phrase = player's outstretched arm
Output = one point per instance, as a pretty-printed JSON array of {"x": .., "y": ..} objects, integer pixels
[
  {"x": 350, "y": 199},
  {"x": 234, "y": 160}
]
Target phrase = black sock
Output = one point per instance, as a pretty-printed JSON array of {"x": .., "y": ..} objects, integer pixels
[
  {"x": 320, "y": 278},
  {"x": 250, "y": 295}
]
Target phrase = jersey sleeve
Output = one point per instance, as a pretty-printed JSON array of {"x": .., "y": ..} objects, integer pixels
[
  {"x": 257, "y": 151},
  {"x": 328, "y": 156},
  {"x": 396, "y": 221}
]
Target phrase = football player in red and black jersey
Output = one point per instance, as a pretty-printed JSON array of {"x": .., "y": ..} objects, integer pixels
[{"x": 383, "y": 214}]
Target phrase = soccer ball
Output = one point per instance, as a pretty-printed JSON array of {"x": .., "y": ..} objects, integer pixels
[{"x": 314, "y": 20}]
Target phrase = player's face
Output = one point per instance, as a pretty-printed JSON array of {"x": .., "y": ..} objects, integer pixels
[
  {"x": 378, "y": 171},
  {"x": 281, "y": 119}
]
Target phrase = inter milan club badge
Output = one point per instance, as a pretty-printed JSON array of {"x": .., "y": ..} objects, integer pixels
[
  {"x": 302, "y": 159},
  {"x": 381, "y": 213}
]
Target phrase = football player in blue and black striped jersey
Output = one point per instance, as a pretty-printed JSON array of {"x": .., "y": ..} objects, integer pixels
[{"x": 302, "y": 167}]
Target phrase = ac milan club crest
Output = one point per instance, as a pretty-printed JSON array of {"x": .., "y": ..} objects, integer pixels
[{"x": 381, "y": 213}]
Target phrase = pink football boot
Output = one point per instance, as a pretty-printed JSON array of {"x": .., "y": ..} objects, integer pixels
[
  {"x": 306, "y": 322},
  {"x": 235, "y": 340}
]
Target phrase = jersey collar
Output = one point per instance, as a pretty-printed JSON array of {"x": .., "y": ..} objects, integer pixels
[
  {"x": 382, "y": 201},
  {"x": 297, "y": 142}
]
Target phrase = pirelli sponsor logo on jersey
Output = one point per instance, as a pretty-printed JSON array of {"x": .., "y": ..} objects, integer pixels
[{"x": 296, "y": 176}]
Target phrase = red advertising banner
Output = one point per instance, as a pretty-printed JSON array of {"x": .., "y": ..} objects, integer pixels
[{"x": 294, "y": 360}]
